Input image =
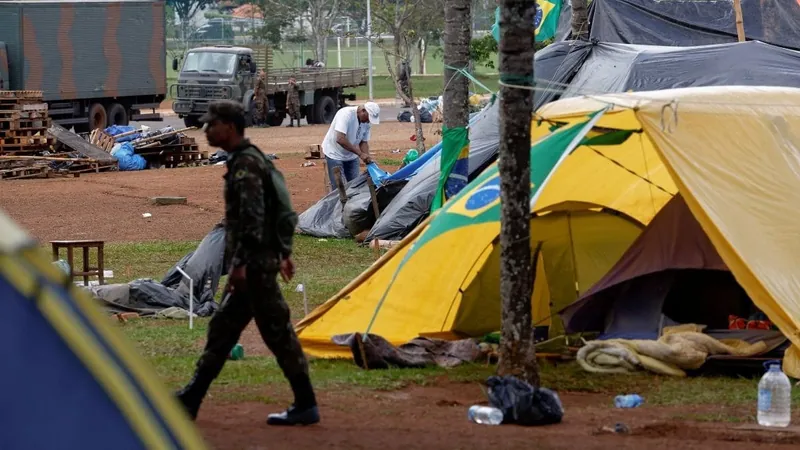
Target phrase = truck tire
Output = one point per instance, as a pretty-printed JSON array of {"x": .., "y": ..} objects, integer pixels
[
  {"x": 98, "y": 118},
  {"x": 308, "y": 111},
  {"x": 192, "y": 121},
  {"x": 250, "y": 115},
  {"x": 276, "y": 119},
  {"x": 324, "y": 109},
  {"x": 117, "y": 115}
]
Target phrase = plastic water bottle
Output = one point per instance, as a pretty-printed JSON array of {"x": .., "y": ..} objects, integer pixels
[
  {"x": 486, "y": 415},
  {"x": 774, "y": 397},
  {"x": 628, "y": 401}
]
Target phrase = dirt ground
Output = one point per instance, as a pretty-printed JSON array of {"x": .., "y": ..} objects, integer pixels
[
  {"x": 109, "y": 206},
  {"x": 435, "y": 417}
]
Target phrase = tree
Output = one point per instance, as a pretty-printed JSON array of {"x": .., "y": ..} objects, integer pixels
[
  {"x": 320, "y": 13},
  {"x": 457, "y": 34},
  {"x": 402, "y": 20},
  {"x": 186, "y": 9},
  {"x": 580, "y": 19},
  {"x": 517, "y": 351}
]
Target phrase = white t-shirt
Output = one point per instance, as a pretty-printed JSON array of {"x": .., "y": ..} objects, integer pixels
[{"x": 345, "y": 121}]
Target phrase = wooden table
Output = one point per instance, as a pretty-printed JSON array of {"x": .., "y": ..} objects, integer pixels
[{"x": 85, "y": 245}]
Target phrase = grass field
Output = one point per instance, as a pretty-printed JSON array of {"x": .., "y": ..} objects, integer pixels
[{"x": 325, "y": 266}]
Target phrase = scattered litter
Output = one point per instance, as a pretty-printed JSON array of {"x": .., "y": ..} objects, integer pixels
[
  {"x": 308, "y": 164},
  {"x": 147, "y": 215},
  {"x": 628, "y": 401},
  {"x": 619, "y": 428},
  {"x": 271, "y": 156},
  {"x": 322, "y": 240},
  {"x": 397, "y": 150},
  {"x": 108, "y": 274},
  {"x": 485, "y": 415},
  {"x": 237, "y": 352},
  {"x": 522, "y": 403}
]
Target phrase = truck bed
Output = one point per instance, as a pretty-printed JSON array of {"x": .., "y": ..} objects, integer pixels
[
  {"x": 315, "y": 78},
  {"x": 85, "y": 49}
]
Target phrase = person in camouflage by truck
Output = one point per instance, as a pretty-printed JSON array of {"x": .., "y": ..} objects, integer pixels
[
  {"x": 259, "y": 222},
  {"x": 260, "y": 95},
  {"x": 293, "y": 102}
]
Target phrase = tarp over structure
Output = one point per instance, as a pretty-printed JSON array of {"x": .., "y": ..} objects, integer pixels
[
  {"x": 686, "y": 23},
  {"x": 405, "y": 197},
  {"x": 672, "y": 274},
  {"x": 205, "y": 265},
  {"x": 646, "y": 148},
  {"x": 71, "y": 380}
]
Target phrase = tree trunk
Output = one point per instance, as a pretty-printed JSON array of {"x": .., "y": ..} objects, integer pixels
[
  {"x": 423, "y": 54},
  {"x": 517, "y": 351},
  {"x": 457, "y": 33},
  {"x": 407, "y": 98},
  {"x": 580, "y": 20}
]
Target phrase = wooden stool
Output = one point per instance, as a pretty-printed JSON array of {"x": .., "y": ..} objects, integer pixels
[{"x": 85, "y": 245}]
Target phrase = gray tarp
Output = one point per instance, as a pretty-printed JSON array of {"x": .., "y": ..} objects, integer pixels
[
  {"x": 205, "y": 265},
  {"x": 684, "y": 23}
]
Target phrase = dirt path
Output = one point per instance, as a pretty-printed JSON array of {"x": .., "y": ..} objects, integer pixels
[
  {"x": 435, "y": 417},
  {"x": 109, "y": 206}
]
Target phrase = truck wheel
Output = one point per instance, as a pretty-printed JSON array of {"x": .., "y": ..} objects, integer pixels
[
  {"x": 310, "y": 114},
  {"x": 250, "y": 115},
  {"x": 117, "y": 115},
  {"x": 192, "y": 121},
  {"x": 324, "y": 109},
  {"x": 98, "y": 118}
]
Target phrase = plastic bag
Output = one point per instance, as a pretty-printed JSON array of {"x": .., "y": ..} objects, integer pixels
[
  {"x": 128, "y": 159},
  {"x": 523, "y": 404}
]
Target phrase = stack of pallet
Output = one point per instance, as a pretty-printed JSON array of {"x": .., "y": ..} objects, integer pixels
[
  {"x": 167, "y": 149},
  {"x": 27, "y": 146}
]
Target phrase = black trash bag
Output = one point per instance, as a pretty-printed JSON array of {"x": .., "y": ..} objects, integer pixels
[{"x": 523, "y": 404}]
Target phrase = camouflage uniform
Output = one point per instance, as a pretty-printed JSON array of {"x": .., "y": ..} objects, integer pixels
[
  {"x": 260, "y": 94},
  {"x": 260, "y": 224},
  {"x": 293, "y": 103}
]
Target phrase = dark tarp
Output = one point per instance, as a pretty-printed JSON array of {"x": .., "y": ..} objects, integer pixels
[
  {"x": 685, "y": 23},
  {"x": 205, "y": 265},
  {"x": 671, "y": 274},
  {"x": 622, "y": 67}
]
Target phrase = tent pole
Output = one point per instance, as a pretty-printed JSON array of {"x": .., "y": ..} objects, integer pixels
[
  {"x": 737, "y": 8},
  {"x": 574, "y": 258}
]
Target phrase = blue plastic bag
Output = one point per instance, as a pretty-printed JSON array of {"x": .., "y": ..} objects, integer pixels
[
  {"x": 128, "y": 159},
  {"x": 114, "y": 130}
]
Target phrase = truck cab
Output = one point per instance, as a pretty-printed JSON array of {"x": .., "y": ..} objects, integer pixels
[{"x": 213, "y": 73}]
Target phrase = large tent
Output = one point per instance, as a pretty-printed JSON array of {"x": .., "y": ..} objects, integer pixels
[
  {"x": 729, "y": 151},
  {"x": 70, "y": 379}
]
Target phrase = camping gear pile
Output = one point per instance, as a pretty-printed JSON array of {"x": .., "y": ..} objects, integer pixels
[
  {"x": 145, "y": 148},
  {"x": 32, "y": 147}
]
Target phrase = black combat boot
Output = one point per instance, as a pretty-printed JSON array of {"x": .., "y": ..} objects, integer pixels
[
  {"x": 192, "y": 395},
  {"x": 304, "y": 411}
]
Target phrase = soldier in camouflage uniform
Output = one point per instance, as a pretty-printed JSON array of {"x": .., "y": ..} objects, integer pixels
[
  {"x": 260, "y": 224},
  {"x": 293, "y": 102},
  {"x": 260, "y": 94}
]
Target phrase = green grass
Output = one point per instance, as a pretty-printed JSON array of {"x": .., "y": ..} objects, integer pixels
[{"x": 325, "y": 266}]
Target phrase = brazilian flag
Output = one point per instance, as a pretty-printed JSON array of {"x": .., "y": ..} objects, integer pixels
[{"x": 545, "y": 20}]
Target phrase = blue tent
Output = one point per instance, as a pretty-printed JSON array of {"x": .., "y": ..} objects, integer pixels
[{"x": 69, "y": 378}]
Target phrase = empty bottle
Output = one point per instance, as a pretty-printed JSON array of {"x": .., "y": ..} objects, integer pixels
[
  {"x": 774, "y": 397},
  {"x": 628, "y": 401},
  {"x": 486, "y": 415}
]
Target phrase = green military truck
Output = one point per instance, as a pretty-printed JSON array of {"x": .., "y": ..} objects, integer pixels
[
  {"x": 97, "y": 63},
  {"x": 228, "y": 72}
]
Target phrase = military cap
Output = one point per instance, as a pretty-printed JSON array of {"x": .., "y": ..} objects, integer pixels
[{"x": 226, "y": 111}]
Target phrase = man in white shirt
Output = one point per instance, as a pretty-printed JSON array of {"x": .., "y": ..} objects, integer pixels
[{"x": 347, "y": 140}]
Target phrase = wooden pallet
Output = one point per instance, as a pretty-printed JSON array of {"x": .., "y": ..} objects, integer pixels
[
  {"x": 24, "y": 123},
  {"x": 32, "y": 141},
  {"x": 22, "y": 95},
  {"x": 102, "y": 139},
  {"x": 33, "y": 132},
  {"x": 25, "y": 172}
]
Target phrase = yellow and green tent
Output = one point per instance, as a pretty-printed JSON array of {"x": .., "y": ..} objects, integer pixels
[
  {"x": 70, "y": 379},
  {"x": 729, "y": 151}
]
